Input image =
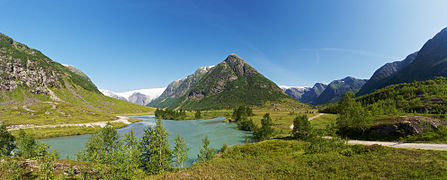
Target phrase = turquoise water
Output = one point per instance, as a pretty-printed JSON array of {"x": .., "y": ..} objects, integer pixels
[{"x": 193, "y": 131}]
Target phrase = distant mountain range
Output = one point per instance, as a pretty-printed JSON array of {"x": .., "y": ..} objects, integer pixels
[
  {"x": 338, "y": 88},
  {"x": 429, "y": 62},
  {"x": 306, "y": 95},
  {"x": 229, "y": 84},
  {"x": 322, "y": 93},
  {"x": 140, "y": 97}
]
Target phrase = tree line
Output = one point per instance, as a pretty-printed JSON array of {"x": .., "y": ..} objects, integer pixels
[{"x": 170, "y": 114}]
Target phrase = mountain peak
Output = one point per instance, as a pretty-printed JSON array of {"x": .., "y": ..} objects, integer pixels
[{"x": 234, "y": 59}]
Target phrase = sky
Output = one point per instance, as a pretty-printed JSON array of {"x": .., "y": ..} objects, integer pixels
[{"x": 135, "y": 44}]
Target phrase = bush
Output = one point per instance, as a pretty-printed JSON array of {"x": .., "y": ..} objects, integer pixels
[
  {"x": 7, "y": 143},
  {"x": 323, "y": 145}
]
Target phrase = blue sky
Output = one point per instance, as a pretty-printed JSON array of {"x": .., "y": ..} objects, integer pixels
[{"x": 133, "y": 44}]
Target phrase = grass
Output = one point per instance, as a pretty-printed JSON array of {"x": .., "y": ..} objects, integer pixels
[
  {"x": 287, "y": 159},
  {"x": 323, "y": 121},
  {"x": 44, "y": 114},
  {"x": 42, "y": 133}
]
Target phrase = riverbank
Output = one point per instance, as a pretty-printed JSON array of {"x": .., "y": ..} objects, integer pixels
[{"x": 51, "y": 131}]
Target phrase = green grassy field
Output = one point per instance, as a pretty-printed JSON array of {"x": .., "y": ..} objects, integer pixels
[{"x": 287, "y": 159}]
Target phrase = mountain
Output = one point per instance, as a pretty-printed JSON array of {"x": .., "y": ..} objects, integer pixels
[
  {"x": 382, "y": 75},
  {"x": 428, "y": 63},
  {"x": 140, "y": 97},
  {"x": 338, "y": 88},
  {"x": 112, "y": 94},
  {"x": 306, "y": 95},
  {"x": 229, "y": 84},
  {"x": 36, "y": 90}
]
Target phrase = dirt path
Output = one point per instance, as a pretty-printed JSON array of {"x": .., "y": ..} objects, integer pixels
[
  {"x": 27, "y": 109},
  {"x": 425, "y": 146},
  {"x": 313, "y": 117},
  {"x": 122, "y": 119}
]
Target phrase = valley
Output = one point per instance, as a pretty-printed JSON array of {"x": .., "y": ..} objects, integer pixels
[{"x": 223, "y": 90}]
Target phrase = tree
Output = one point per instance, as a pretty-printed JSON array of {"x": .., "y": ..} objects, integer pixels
[
  {"x": 301, "y": 127},
  {"x": 242, "y": 113},
  {"x": 156, "y": 154},
  {"x": 247, "y": 125},
  {"x": 198, "y": 115},
  {"x": 129, "y": 156},
  {"x": 352, "y": 115},
  {"x": 206, "y": 152},
  {"x": 46, "y": 161},
  {"x": 26, "y": 145},
  {"x": 266, "y": 130},
  {"x": 102, "y": 147},
  {"x": 180, "y": 150},
  {"x": 7, "y": 143}
]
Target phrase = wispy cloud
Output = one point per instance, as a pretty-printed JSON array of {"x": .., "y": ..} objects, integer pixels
[{"x": 351, "y": 51}]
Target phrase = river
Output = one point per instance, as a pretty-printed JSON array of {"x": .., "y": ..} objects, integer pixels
[{"x": 193, "y": 131}]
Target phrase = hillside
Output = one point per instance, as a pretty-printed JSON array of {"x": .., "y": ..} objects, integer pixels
[
  {"x": 429, "y": 63},
  {"x": 229, "y": 84},
  {"x": 428, "y": 96},
  {"x": 338, "y": 88},
  {"x": 36, "y": 90}
]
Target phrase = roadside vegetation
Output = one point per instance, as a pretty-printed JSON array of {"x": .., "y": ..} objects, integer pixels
[
  {"x": 291, "y": 159},
  {"x": 387, "y": 113}
]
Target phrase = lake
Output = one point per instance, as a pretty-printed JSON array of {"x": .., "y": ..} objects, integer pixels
[{"x": 193, "y": 131}]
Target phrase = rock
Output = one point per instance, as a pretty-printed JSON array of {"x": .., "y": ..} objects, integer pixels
[{"x": 408, "y": 125}]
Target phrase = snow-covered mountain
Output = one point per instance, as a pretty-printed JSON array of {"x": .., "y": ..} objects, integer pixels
[
  {"x": 141, "y": 96},
  {"x": 305, "y": 94}
]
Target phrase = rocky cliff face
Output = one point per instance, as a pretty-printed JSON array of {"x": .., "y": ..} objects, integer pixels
[
  {"x": 16, "y": 71},
  {"x": 231, "y": 83}
]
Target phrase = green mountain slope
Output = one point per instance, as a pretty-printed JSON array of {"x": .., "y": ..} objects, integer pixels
[
  {"x": 36, "y": 90},
  {"x": 428, "y": 96},
  {"x": 429, "y": 63},
  {"x": 382, "y": 75},
  {"x": 229, "y": 84}
]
